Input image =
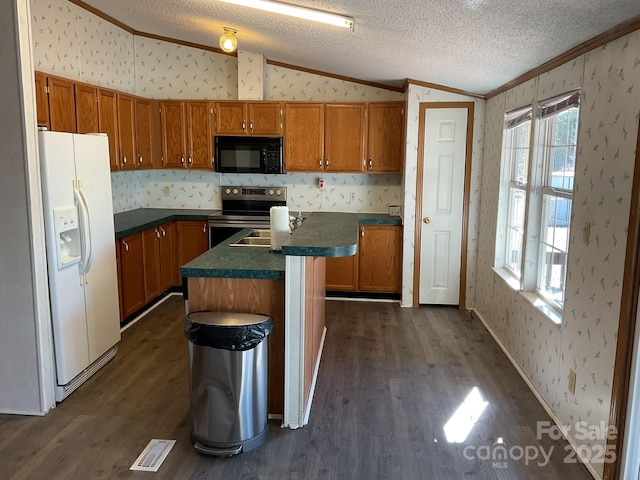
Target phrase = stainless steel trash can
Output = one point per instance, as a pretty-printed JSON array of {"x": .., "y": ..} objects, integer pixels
[{"x": 229, "y": 366}]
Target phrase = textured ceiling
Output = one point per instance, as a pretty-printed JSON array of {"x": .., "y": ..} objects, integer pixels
[{"x": 471, "y": 45}]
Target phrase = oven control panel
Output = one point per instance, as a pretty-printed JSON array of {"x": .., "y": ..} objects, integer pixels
[{"x": 260, "y": 194}]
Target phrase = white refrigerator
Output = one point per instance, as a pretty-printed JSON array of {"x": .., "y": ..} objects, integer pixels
[{"x": 81, "y": 259}]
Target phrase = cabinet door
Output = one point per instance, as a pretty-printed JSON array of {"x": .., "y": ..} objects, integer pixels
[
  {"x": 265, "y": 118},
  {"x": 119, "y": 270},
  {"x": 385, "y": 137},
  {"x": 344, "y": 137},
  {"x": 62, "y": 106},
  {"x": 126, "y": 132},
  {"x": 199, "y": 135},
  {"x": 303, "y": 137},
  {"x": 42, "y": 100},
  {"x": 193, "y": 240},
  {"x": 143, "y": 133},
  {"x": 151, "y": 253},
  {"x": 231, "y": 118},
  {"x": 172, "y": 121},
  {"x": 342, "y": 273},
  {"x": 380, "y": 258},
  {"x": 86, "y": 109},
  {"x": 108, "y": 123},
  {"x": 132, "y": 268},
  {"x": 168, "y": 268}
]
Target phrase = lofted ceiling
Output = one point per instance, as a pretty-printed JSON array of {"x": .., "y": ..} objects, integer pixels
[{"x": 470, "y": 45}]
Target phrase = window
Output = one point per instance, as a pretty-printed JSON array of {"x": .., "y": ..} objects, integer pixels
[
  {"x": 559, "y": 138},
  {"x": 540, "y": 195},
  {"x": 517, "y": 156}
]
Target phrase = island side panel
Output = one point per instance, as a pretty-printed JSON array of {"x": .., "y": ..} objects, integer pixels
[
  {"x": 315, "y": 272},
  {"x": 249, "y": 296}
]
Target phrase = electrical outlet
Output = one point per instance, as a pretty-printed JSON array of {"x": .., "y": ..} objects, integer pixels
[
  {"x": 352, "y": 197},
  {"x": 394, "y": 210},
  {"x": 166, "y": 190},
  {"x": 572, "y": 381}
]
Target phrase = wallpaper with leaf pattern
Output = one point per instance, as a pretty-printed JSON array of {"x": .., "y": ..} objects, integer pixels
[{"x": 609, "y": 79}]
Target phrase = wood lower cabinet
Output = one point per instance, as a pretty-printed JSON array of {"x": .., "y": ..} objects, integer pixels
[
  {"x": 377, "y": 267},
  {"x": 151, "y": 248},
  {"x": 380, "y": 258},
  {"x": 132, "y": 273},
  {"x": 192, "y": 239},
  {"x": 169, "y": 274}
]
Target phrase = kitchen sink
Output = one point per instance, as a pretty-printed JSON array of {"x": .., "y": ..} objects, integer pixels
[{"x": 258, "y": 237}]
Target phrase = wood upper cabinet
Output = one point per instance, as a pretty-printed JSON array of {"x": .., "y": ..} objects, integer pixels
[
  {"x": 303, "y": 137},
  {"x": 143, "y": 133},
  {"x": 126, "y": 132},
  {"x": 199, "y": 149},
  {"x": 42, "y": 101},
  {"x": 108, "y": 123},
  {"x": 344, "y": 137},
  {"x": 62, "y": 106},
  {"x": 248, "y": 118},
  {"x": 385, "y": 142},
  {"x": 132, "y": 270},
  {"x": 380, "y": 258},
  {"x": 193, "y": 240},
  {"x": 86, "y": 108},
  {"x": 186, "y": 134}
]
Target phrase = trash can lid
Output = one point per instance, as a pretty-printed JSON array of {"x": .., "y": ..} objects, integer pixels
[{"x": 228, "y": 319}]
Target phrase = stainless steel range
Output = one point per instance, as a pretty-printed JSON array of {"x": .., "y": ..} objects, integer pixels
[{"x": 244, "y": 207}]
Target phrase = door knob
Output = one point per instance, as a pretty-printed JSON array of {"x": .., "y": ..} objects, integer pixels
[{"x": 426, "y": 219}]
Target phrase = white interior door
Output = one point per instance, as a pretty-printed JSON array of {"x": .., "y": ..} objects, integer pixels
[{"x": 445, "y": 144}]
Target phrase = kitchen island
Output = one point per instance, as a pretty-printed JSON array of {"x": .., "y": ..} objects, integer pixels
[{"x": 290, "y": 287}]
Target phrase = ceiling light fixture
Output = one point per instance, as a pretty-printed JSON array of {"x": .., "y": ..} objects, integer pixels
[
  {"x": 296, "y": 11},
  {"x": 228, "y": 40}
]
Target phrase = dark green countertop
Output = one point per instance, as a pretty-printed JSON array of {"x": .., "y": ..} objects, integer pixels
[
  {"x": 324, "y": 234},
  {"x": 223, "y": 261},
  {"x": 140, "y": 219}
]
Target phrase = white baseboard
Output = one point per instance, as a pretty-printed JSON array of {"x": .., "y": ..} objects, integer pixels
[
  {"x": 535, "y": 392},
  {"x": 155, "y": 305}
]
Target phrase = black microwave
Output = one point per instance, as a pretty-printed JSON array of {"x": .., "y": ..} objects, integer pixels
[{"x": 248, "y": 154}]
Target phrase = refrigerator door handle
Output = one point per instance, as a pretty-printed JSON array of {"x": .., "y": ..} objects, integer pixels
[{"x": 85, "y": 231}]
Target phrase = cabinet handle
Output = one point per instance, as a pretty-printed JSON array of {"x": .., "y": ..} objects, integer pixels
[
  {"x": 163, "y": 231},
  {"x": 326, "y": 163},
  {"x": 139, "y": 159},
  {"x": 251, "y": 126},
  {"x": 182, "y": 160},
  {"x": 204, "y": 228},
  {"x": 126, "y": 245},
  {"x": 124, "y": 161},
  {"x": 244, "y": 126},
  {"x": 190, "y": 160},
  {"x": 362, "y": 232},
  {"x": 157, "y": 233},
  {"x": 370, "y": 164},
  {"x": 320, "y": 163}
]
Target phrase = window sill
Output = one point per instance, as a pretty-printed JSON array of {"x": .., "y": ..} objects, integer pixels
[
  {"x": 509, "y": 279},
  {"x": 534, "y": 299}
]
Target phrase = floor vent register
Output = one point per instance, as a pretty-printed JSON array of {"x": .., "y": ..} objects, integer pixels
[{"x": 153, "y": 455}]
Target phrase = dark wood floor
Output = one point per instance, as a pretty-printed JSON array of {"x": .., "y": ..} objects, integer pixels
[{"x": 389, "y": 380}]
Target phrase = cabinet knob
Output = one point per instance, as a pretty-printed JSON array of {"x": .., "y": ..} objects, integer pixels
[{"x": 426, "y": 219}]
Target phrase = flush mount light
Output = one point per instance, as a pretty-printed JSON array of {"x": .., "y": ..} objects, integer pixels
[
  {"x": 296, "y": 11},
  {"x": 228, "y": 40}
]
